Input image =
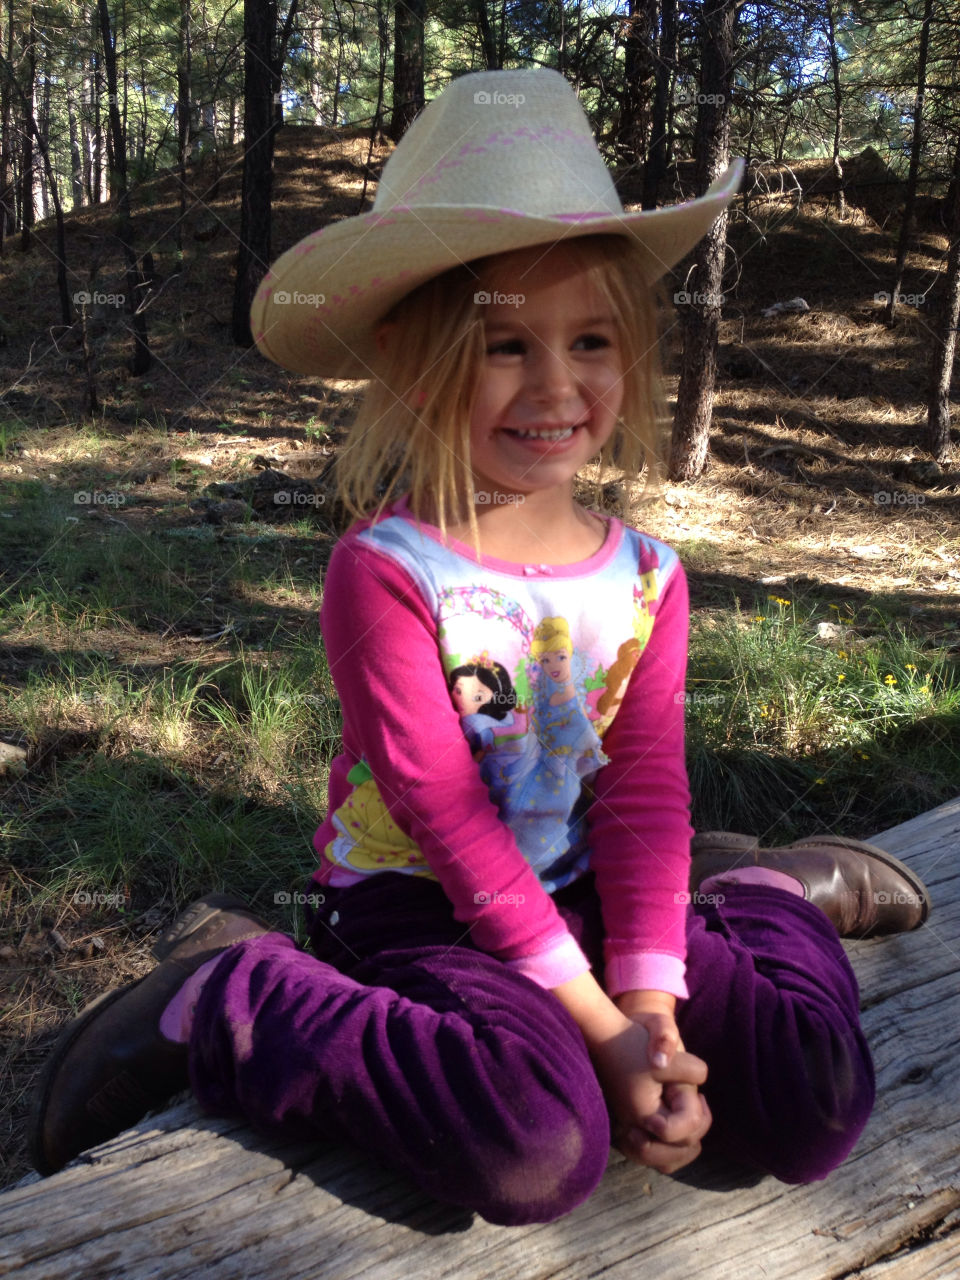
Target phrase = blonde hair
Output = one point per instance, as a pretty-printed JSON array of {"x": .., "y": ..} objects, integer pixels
[
  {"x": 548, "y": 632},
  {"x": 412, "y": 431}
]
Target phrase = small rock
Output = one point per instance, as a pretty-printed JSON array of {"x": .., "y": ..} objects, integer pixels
[
  {"x": 13, "y": 759},
  {"x": 778, "y": 308},
  {"x": 59, "y": 941},
  {"x": 8, "y": 954},
  {"x": 829, "y": 632}
]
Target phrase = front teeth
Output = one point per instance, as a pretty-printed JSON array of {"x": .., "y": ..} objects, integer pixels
[{"x": 565, "y": 434}]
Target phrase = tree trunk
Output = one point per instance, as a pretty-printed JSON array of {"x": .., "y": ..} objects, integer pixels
[
  {"x": 32, "y": 127},
  {"x": 7, "y": 197},
  {"x": 41, "y": 196},
  {"x": 76, "y": 160},
  {"x": 408, "y": 94},
  {"x": 27, "y": 206},
  {"x": 655, "y": 169},
  {"x": 135, "y": 283},
  {"x": 487, "y": 37},
  {"x": 637, "y": 70},
  {"x": 837, "y": 108},
  {"x": 691, "y": 425},
  {"x": 909, "y": 201},
  {"x": 259, "y": 124},
  {"x": 941, "y": 369}
]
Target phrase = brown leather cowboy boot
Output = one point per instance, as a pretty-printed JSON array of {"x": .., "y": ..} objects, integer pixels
[
  {"x": 111, "y": 1065},
  {"x": 863, "y": 890}
]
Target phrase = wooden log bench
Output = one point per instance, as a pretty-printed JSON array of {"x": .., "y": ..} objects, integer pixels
[{"x": 186, "y": 1195}]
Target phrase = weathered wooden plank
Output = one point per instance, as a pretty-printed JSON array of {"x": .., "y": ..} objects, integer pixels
[
  {"x": 933, "y": 1259},
  {"x": 185, "y": 1195}
]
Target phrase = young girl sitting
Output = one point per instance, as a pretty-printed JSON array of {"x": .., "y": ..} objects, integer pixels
[{"x": 511, "y": 965}]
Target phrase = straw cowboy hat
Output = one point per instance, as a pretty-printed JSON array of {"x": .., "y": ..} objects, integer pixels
[{"x": 501, "y": 160}]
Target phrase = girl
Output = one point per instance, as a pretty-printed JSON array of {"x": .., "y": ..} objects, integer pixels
[{"x": 491, "y": 1000}]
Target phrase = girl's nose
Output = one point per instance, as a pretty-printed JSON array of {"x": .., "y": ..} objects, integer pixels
[{"x": 551, "y": 379}]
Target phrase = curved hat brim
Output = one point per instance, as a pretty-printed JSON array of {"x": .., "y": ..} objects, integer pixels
[{"x": 317, "y": 308}]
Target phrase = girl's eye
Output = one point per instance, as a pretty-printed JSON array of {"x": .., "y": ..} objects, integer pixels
[{"x": 517, "y": 347}]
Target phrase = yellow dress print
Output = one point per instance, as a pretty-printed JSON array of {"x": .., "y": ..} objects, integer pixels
[
  {"x": 644, "y": 606},
  {"x": 368, "y": 839}
]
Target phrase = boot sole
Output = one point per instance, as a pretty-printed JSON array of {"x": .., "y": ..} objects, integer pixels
[{"x": 194, "y": 916}]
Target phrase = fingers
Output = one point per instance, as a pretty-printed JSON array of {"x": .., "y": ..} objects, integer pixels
[
  {"x": 666, "y": 1156},
  {"x": 683, "y": 1068},
  {"x": 663, "y": 1037},
  {"x": 664, "y": 1043},
  {"x": 686, "y": 1115}
]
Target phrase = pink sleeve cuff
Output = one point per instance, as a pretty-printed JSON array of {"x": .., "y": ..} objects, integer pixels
[
  {"x": 561, "y": 961},
  {"x": 645, "y": 971}
]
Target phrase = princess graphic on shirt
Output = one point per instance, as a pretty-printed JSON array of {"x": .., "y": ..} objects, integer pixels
[
  {"x": 541, "y": 796},
  {"x": 562, "y": 725}
]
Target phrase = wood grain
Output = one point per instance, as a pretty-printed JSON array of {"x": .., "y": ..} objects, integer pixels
[{"x": 186, "y": 1195}]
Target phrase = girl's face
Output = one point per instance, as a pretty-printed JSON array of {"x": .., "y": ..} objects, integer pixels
[
  {"x": 469, "y": 695},
  {"x": 556, "y": 663},
  {"x": 551, "y": 387}
]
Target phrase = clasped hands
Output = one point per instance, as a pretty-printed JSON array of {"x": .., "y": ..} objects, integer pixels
[{"x": 651, "y": 1085}]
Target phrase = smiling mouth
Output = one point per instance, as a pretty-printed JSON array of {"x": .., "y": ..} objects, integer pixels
[{"x": 563, "y": 433}]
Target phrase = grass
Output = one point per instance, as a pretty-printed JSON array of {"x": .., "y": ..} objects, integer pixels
[
  {"x": 806, "y": 718},
  {"x": 165, "y": 774}
]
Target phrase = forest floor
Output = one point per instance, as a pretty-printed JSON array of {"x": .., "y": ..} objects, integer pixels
[{"x": 817, "y": 485}]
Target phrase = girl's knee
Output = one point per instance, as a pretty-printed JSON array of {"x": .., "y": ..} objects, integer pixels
[
  {"x": 832, "y": 1099},
  {"x": 546, "y": 1172}
]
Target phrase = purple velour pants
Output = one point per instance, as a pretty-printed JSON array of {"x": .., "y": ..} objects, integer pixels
[{"x": 400, "y": 1037}]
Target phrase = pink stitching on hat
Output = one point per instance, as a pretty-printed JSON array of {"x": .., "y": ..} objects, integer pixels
[{"x": 356, "y": 290}]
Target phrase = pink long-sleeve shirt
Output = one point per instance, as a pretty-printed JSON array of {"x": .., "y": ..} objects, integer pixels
[{"x": 573, "y": 760}]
